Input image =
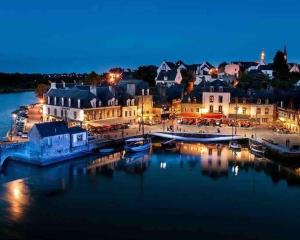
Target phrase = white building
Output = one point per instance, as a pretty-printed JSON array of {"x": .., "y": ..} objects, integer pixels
[{"x": 216, "y": 100}]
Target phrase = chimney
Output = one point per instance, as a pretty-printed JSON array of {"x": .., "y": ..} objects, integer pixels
[
  {"x": 53, "y": 85},
  {"x": 93, "y": 89},
  {"x": 78, "y": 101}
]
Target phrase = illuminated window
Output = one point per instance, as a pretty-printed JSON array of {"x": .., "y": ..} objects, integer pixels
[
  {"x": 211, "y": 108},
  {"x": 267, "y": 111},
  {"x": 55, "y": 111},
  {"x": 211, "y": 99},
  {"x": 258, "y": 111},
  {"x": 244, "y": 110},
  {"x": 220, "y": 109},
  {"x": 75, "y": 115}
]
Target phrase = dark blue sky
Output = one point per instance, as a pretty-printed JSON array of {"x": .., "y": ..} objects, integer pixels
[{"x": 80, "y": 36}]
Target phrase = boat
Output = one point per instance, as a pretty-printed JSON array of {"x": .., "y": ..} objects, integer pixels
[
  {"x": 257, "y": 148},
  {"x": 234, "y": 145},
  {"x": 137, "y": 144}
]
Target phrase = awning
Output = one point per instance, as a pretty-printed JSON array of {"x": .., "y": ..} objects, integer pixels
[
  {"x": 108, "y": 122},
  {"x": 213, "y": 116},
  {"x": 190, "y": 115}
]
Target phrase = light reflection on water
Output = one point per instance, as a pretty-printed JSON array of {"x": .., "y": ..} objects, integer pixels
[{"x": 104, "y": 181}]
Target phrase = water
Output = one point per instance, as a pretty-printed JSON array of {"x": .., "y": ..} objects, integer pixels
[
  {"x": 9, "y": 103},
  {"x": 192, "y": 192}
]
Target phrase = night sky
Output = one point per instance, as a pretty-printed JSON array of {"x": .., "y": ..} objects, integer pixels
[{"x": 80, "y": 36}]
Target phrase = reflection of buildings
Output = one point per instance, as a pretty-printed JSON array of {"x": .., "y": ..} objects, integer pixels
[{"x": 17, "y": 196}]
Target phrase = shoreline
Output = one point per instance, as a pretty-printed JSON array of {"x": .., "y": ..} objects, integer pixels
[{"x": 15, "y": 90}]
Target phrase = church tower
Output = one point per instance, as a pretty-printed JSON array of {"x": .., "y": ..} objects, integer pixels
[{"x": 262, "y": 57}]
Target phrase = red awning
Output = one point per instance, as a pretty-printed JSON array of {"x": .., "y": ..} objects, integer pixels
[
  {"x": 217, "y": 116},
  {"x": 190, "y": 115}
]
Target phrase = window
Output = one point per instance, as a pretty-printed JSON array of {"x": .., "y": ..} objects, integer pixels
[
  {"x": 55, "y": 111},
  {"x": 80, "y": 137},
  {"x": 210, "y": 151},
  {"x": 211, "y": 108},
  {"x": 264, "y": 120},
  {"x": 211, "y": 99},
  {"x": 267, "y": 111},
  {"x": 220, "y": 109},
  {"x": 220, "y": 89},
  {"x": 258, "y": 111},
  {"x": 220, "y": 99},
  {"x": 108, "y": 113},
  {"x": 197, "y": 109},
  {"x": 62, "y": 113},
  {"x": 75, "y": 115},
  {"x": 244, "y": 110},
  {"x": 48, "y": 111},
  {"x": 125, "y": 113},
  {"x": 129, "y": 113}
]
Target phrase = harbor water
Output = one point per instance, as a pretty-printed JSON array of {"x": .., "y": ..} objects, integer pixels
[
  {"x": 10, "y": 102},
  {"x": 193, "y": 191}
]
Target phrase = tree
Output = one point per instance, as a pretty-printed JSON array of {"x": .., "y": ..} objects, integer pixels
[
  {"x": 188, "y": 79},
  {"x": 221, "y": 67},
  {"x": 93, "y": 78},
  {"x": 146, "y": 73},
  {"x": 41, "y": 89},
  {"x": 280, "y": 67}
]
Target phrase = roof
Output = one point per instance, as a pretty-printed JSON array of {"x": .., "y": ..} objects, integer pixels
[
  {"x": 48, "y": 129},
  {"x": 74, "y": 130},
  {"x": 168, "y": 75}
]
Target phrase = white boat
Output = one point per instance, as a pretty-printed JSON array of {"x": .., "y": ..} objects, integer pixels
[
  {"x": 256, "y": 147},
  {"x": 137, "y": 144},
  {"x": 234, "y": 145}
]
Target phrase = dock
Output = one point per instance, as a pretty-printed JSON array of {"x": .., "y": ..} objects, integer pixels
[{"x": 198, "y": 137}]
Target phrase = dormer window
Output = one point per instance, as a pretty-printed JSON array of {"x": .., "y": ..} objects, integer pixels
[
  {"x": 128, "y": 102},
  {"x": 189, "y": 99},
  {"x": 132, "y": 102},
  {"x": 48, "y": 100},
  {"x": 69, "y": 102},
  {"x": 259, "y": 101},
  {"x": 54, "y": 100},
  {"x": 116, "y": 102},
  {"x": 267, "y": 101},
  {"x": 165, "y": 78},
  {"x": 211, "y": 88},
  {"x": 220, "y": 89},
  {"x": 62, "y": 101},
  {"x": 100, "y": 103}
]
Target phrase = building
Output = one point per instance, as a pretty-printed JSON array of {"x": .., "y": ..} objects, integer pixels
[
  {"x": 289, "y": 118},
  {"x": 244, "y": 110},
  {"x": 95, "y": 105},
  {"x": 52, "y": 141},
  {"x": 169, "y": 73},
  {"x": 216, "y": 100}
]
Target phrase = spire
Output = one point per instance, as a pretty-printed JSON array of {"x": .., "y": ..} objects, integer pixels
[{"x": 262, "y": 56}]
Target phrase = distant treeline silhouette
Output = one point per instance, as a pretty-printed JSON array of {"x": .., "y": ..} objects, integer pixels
[{"x": 12, "y": 82}]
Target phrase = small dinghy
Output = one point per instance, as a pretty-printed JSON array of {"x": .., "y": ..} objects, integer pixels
[
  {"x": 137, "y": 144},
  {"x": 256, "y": 148},
  {"x": 234, "y": 145}
]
